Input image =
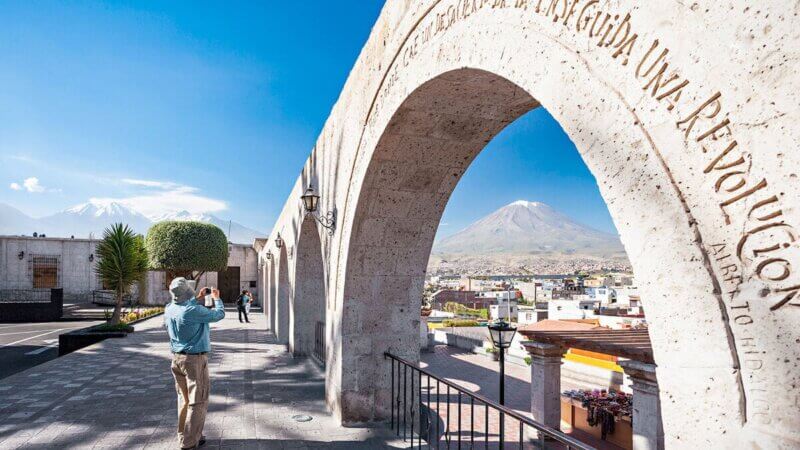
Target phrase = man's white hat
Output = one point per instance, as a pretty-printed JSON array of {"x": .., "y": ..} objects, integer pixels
[{"x": 181, "y": 289}]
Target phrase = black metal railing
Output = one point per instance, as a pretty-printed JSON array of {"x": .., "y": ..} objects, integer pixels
[
  {"x": 109, "y": 298},
  {"x": 25, "y": 295},
  {"x": 319, "y": 342},
  {"x": 423, "y": 404}
]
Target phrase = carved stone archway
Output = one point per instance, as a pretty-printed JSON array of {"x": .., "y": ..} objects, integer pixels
[{"x": 687, "y": 117}]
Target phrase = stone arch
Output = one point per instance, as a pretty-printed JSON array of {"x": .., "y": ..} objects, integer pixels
[
  {"x": 432, "y": 135},
  {"x": 691, "y": 160},
  {"x": 282, "y": 295},
  {"x": 308, "y": 299}
]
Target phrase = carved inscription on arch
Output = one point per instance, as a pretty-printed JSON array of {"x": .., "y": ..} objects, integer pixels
[{"x": 766, "y": 247}]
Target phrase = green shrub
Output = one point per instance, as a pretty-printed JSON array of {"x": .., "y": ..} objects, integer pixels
[
  {"x": 459, "y": 323},
  {"x": 187, "y": 248},
  {"x": 122, "y": 326}
]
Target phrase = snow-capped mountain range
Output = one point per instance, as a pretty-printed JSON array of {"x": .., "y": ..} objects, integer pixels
[
  {"x": 92, "y": 217},
  {"x": 525, "y": 227}
]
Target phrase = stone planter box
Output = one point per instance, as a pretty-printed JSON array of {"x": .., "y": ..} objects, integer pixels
[{"x": 84, "y": 337}]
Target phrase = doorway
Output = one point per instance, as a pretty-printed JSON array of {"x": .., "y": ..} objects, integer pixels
[{"x": 229, "y": 284}]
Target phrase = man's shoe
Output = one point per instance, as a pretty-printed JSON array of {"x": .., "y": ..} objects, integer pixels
[{"x": 200, "y": 443}]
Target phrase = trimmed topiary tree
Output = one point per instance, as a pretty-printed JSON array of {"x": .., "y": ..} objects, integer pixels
[{"x": 187, "y": 249}]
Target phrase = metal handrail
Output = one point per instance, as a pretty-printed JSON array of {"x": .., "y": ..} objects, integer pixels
[
  {"x": 545, "y": 431},
  {"x": 319, "y": 342}
]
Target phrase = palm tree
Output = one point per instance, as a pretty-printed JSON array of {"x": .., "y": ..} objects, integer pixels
[{"x": 123, "y": 262}]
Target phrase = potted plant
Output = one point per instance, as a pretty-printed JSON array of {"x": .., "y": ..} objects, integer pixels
[{"x": 494, "y": 352}]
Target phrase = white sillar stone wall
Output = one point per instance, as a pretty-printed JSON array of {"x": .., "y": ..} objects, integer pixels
[
  {"x": 242, "y": 256},
  {"x": 685, "y": 112},
  {"x": 76, "y": 270},
  {"x": 79, "y": 280}
]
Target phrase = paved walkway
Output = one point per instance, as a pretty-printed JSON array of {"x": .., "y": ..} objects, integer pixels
[{"x": 120, "y": 394}]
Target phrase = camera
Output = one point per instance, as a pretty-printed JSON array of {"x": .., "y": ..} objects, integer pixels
[{"x": 207, "y": 291}]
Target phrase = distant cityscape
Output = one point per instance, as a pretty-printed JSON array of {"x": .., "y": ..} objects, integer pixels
[
  {"x": 610, "y": 298},
  {"x": 523, "y": 265}
]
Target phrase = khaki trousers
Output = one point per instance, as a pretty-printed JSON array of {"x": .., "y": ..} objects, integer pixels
[{"x": 193, "y": 385}]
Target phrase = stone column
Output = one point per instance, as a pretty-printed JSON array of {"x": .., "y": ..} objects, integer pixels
[
  {"x": 423, "y": 332},
  {"x": 545, "y": 382},
  {"x": 648, "y": 430}
]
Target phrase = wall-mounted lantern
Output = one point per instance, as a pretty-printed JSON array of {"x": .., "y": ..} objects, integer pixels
[
  {"x": 21, "y": 255},
  {"x": 91, "y": 257},
  {"x": 311, "y": 203},
  {"x": 278, "y": 241},
  {"x": 269, "y": 256}
]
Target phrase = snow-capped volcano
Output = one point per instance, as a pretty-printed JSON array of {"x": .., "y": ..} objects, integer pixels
[
  {"x": 91, "y": 218},
  {"x": 236, "y": 232},
  {"x": 99, "y": 209},
  {"x": 524, "y": 227}
]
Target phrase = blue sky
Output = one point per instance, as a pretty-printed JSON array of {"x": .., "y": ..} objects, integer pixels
[{"x": 213, "y": 107}]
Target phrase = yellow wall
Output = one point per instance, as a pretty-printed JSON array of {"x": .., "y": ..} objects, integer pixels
[{"x": 607, "y": 362}]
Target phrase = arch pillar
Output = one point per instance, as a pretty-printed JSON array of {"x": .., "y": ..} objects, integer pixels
[
  {"x": 308, "y": 297},
  {"x": 283, "y": 293}
]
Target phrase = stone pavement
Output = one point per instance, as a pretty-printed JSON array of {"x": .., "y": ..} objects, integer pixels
[{"x": 120, "y": 394}]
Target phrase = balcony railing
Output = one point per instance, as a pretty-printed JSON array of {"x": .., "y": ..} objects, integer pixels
[
  {"x": 421, "y": 407},
  {"x": 109, "y": 298}
]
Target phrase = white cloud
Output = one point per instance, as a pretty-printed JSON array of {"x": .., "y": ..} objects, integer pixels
[
  {"x": 32, "y": 185},
  {"x": 161, "y": 197},
  {"x": 153, "y": 184}
]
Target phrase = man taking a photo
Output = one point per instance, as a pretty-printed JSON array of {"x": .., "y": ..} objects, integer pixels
[{"x": 187, "y": 319}]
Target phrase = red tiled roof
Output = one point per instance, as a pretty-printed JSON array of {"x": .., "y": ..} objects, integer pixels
[{"x": 559, "y": 325}]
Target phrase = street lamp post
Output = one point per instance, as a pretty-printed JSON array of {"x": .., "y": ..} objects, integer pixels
[{"x": 502, "y": 333}]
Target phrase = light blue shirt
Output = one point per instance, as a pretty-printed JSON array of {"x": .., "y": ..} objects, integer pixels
[{"x": 187, "y": 324}]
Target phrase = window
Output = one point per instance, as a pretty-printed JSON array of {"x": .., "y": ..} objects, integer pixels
[{"x": 45, "y": 271}]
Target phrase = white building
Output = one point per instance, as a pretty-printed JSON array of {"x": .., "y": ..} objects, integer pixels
[
  {"x": 500, "y": 296},
  {"x": 530, "y": 314},
  {"x": 45, "y": 263},
  {"x": 571, "y": 309},
  {"x": 504, "y": 310},
  {"x": 531, "y": 290}
]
